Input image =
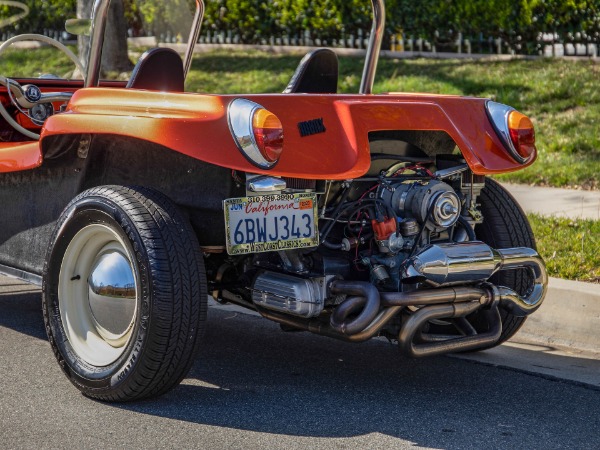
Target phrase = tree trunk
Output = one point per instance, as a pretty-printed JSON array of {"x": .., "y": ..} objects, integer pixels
[
  {"x": 115, "y": 57},
  {"x": 84, "y": 11}
]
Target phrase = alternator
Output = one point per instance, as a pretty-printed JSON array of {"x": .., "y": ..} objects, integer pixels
[{"x": 434, "y": 204}]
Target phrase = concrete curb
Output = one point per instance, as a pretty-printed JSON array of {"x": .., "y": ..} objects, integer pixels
[{"x": 569, "y": 316}]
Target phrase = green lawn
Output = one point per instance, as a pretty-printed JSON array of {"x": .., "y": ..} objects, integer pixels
[
  {"x": 569, "y": 247},
  {"x": 35, "y": 62},
  {"x": 562, "y": 97}
]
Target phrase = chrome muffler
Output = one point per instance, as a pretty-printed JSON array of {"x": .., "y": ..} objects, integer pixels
[{"x": 475, "y": 262}]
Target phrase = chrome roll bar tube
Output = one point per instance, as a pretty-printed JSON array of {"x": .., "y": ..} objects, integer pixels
[
  {"x": 375, "y": 40},
  {"x": 99, "y": 19},
  {"x": 194, "y": 35}
]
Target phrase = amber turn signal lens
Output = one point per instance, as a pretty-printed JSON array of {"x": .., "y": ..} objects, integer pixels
[
  {"x": 522, "y": 134},
  {"x": 268, "y": 133}
]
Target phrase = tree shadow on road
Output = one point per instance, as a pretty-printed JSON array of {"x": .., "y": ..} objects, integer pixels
[{"x": 21, "y": 309}]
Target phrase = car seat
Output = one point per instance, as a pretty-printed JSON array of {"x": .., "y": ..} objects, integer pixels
[
  {"x": 158, "y": 69},
  {"x": 317, "y": 73}
]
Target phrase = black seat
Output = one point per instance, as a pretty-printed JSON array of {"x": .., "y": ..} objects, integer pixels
[
  {"x": 317, "y": 73},
  {"x": 159, "y": 69}
]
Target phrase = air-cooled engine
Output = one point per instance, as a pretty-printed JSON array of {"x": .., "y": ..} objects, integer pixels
[{"x": 367, "y": 230}]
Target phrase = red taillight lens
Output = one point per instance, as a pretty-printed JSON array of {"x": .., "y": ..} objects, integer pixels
[
  {"x": 268, "y": 133},
  {"x": 522, "y": 134}
]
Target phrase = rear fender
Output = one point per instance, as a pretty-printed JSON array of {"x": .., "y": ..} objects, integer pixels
[{"x": 196, "y": 125}]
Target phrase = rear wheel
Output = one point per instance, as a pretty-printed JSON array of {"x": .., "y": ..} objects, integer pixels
[
  {"x": 124, "y": 293},
  {"x": 504, "y": 225}
]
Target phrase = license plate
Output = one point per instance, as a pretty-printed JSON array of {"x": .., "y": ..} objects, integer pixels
[{"x": 269, "y": 223}]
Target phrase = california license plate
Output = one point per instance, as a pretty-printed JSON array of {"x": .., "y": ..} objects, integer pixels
[{"x": 271, "y": 222}]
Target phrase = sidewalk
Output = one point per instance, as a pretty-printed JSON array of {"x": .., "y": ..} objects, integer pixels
[
  {"x": 570, "y": 315},
  {"x": 557, "y": 202}
]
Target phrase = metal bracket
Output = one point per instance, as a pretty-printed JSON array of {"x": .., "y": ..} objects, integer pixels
[
  {"x": 84, "y": 146},
  {"x": 264, "y": 184}
]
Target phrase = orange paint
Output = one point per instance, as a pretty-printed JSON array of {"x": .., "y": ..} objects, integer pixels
[
  {"x": 15, "y": 156},
  {"x": 196, "y": 125}
]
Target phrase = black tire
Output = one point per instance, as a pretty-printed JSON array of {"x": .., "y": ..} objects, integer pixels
[
  {"x": 161, "y": 322},
  {"x": 504, "y": 225}
]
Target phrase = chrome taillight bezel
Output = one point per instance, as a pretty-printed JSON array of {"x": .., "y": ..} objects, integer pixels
[
  {"x": 498, "y": 114},
  {"x": 240, "y": 113}
]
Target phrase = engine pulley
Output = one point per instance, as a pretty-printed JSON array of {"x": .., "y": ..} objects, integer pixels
[{"x": 433, "y": 204}]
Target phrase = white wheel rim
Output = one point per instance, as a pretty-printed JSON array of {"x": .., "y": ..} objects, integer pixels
[{"x": 97, "y": 295}]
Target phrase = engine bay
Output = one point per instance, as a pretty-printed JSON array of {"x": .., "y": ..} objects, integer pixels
[{"x": 368, "y": 228}]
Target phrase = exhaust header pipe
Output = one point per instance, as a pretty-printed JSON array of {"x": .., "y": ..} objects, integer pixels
[{"x": 367, "y": 311}]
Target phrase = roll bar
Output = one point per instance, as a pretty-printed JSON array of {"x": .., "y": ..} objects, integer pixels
[
  {"x": 375, "y": 40},
  {"x": 100, "y": 17}
]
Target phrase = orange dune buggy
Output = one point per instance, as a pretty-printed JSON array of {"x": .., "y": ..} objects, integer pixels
[{"x": 349, "y": 216}]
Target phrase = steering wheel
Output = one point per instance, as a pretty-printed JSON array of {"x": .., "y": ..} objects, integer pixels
[{"x": 30, "y": 96}]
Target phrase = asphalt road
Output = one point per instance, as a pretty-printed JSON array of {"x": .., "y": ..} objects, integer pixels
[{"x": 256, "y": 387}]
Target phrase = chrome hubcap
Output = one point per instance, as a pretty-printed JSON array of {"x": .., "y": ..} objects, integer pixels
[
  {"x": 97, "y": 292},
  {"x": 112, "y": 295}
]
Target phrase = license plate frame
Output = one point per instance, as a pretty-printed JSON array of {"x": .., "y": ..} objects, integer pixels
[{"x": 291, "y": 217}]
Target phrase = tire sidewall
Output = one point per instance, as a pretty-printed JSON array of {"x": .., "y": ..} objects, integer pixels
[
  {"x": 516, "y": 238},
  {"x": 505, "y": 225},
  {"x": 82, "y": 212}
]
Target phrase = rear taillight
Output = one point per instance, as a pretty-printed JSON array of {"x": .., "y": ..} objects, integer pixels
[
  {"x": 258, "y": 132},
  {"x": 515, "y": 129},
  {"x": 522, "y": 134},
  {"x": 268, "y": 133}
]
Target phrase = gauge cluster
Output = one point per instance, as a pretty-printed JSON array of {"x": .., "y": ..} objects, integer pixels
[{"x": 40, "y": 112}]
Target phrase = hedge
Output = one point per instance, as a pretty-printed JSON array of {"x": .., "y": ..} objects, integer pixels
[{"x": 518, "y": 22}]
